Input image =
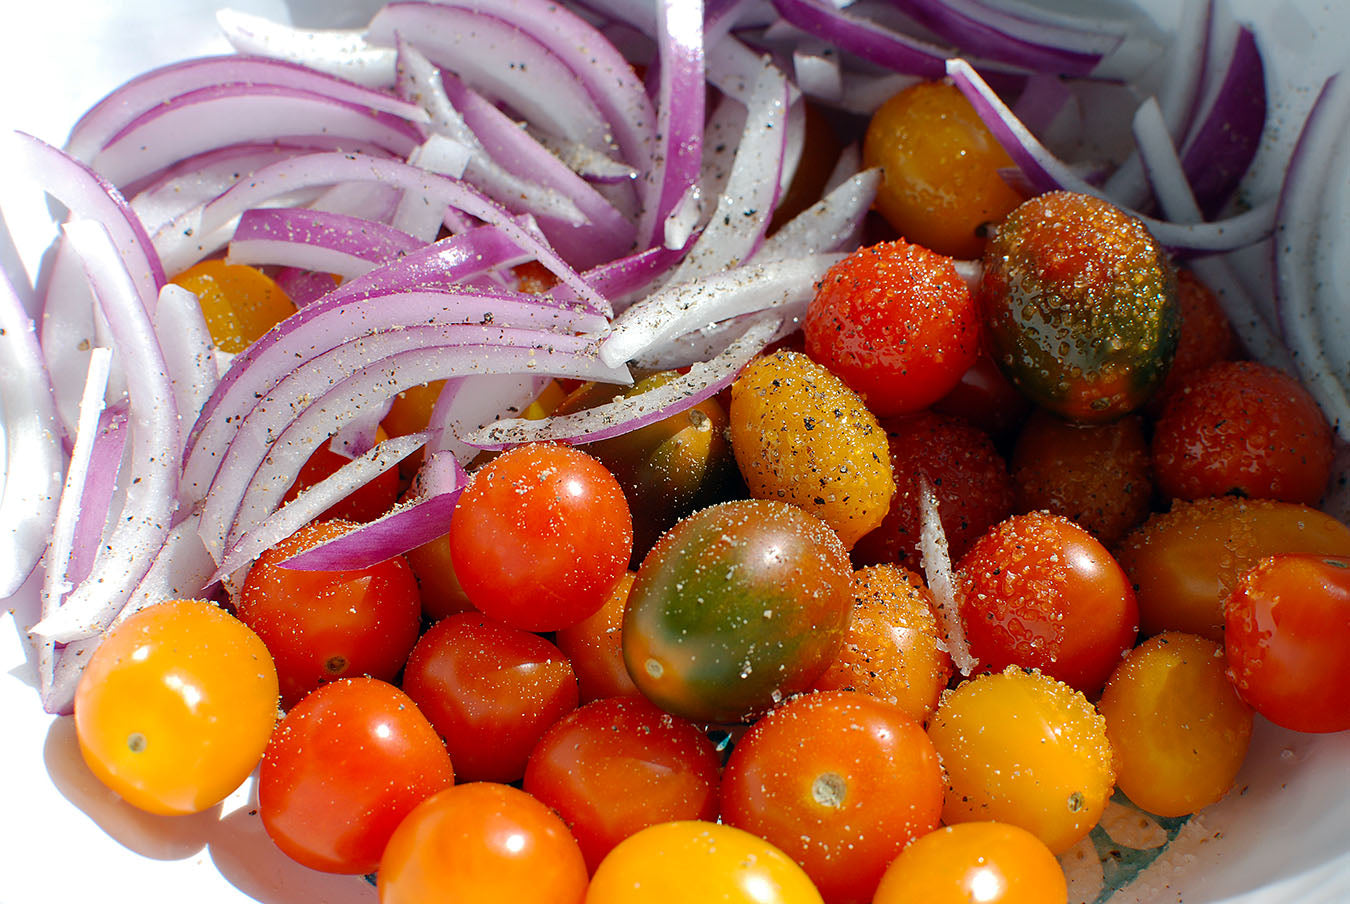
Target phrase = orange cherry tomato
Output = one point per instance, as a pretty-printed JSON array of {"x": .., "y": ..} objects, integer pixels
[
  {"x": 595, "y": 647},
  {"x": 175, "y": 707},
  {"x": 240, "y": 303},
  {"x": 988, "y": 862}
]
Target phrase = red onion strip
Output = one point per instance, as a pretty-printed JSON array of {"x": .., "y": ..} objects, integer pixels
[
  {"x": 316, "y": 240},
  {"x": 978, "y": 31},
  {"x": 338, "y": 52},
  {"x": 937, "y": 569},
  {"x": 468, "y": 403},
  {"x": 826, "y": 225},
  {"x": 190, "y": 357},
  {"x": 865, "y": 39}
]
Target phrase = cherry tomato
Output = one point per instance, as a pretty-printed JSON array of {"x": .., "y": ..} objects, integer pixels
[
  {"x": 1023, "y": 748},
  {"x": 366, "y": 503},
  {"x": 540, "y": 536},
  {"x": 482, "y": 842},
  {"x": 966, "y": 473},
  {"x": 1178, "y": 728},
  {"x": 737, "y": 607},
  {"x": 897, "y": 323},
  {"x": 1080, "y": 306},
  {"x": 617, "y": 766},
  {"x": 1096, "y": 475},
  {"x": 595, "y": 647},
  {"x": 322, "y": 625},
  {"x": 1206, "y": 338},
  {"x": 1288, "y": 629},
  {"x": 694, "y": 862},
  {"x": 984, "y": 398},
  {"x": 892, "y": 650},
  {"x": 343, "y": 768},
  {"x": 988, "y": 862},
  {"x": 1245, "y": 428},
  {"x": 435, "y": 571},
  {"x": 239, "y": 303},
  {"x": 490, "y": 690},
  {"x": 175, "y": 706},
  {"x": 1038, "y": 591},
  {"x": 838, "y": 781},
  {"x": 1184, "y": 564},
  {"x": 942, "y": 186}
]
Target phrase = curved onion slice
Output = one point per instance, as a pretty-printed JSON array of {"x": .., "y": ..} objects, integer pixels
[
  {"x": 191, "y": 357},
  {"x": 316, "y": 240},
  {"x": 825, "y": 225},
  {"x": 340, "y": 52},
  {"x": 980, "y": 28},
  {"x": 937, "y": 570},
  {"x": 467, "y": 403},
  {"x": 872, "y": 42},
  {"x": 32, "y": 478}
]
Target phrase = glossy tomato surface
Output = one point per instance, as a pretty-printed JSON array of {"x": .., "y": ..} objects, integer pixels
[
  {"x": 343, "y": 768},
  {"x": 540, "y": 536},
  {"x": 840, "y": 782},
  {"x": 737, "y": 607},
  {"x": 482, "y": 843},
  {"x": 594, "y": 646},
  {"x": 175, "y": 707},
  {"x": 985, "y": 862}
]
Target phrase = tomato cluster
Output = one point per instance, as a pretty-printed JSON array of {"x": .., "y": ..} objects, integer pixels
[{"x": 699, "y": 662}]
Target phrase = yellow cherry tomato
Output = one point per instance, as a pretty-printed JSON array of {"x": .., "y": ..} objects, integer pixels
[
  {"x": 694, "y": 862},
  {"x": 176, "y": 706},
  {"x": 239, "y": 303},
  {"x": 988, "y": 862}
]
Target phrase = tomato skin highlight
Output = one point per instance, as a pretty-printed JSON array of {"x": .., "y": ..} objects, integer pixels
[
  {"x": 540, "y": 536},
  {"x": 1288, "y": 629},
  {"x": 343, "y": 768},
  {"x": 482, "y": 842},
  {"x": 989, "y": 862},
  {"x": 175, "y": 707}
]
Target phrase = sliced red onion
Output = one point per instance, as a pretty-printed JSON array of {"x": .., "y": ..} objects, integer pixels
[
  {"x": 680, "y": 114},
  {"x": 1037, "y": 27},
  {"x": 826, "y": 225},
  {"x": 1047, "y": 172},
  {"x": 626, "y": 279},
  {"x": 868, "y": 40},
  {"x": 704, "y": 380},
  {"x": 127, "y": 550},
  {"x": 442, "y": 155},
  {"x": 1041, "y": 102},
  {"x": 361, "y": 434},
  {"x": 685, "y": 307},
  {"x": 864, "y": 93},
  {"x": 588, "y": 163},
  {"x": 1311, "y": 304},
  {"x": 32, "y": 436},
  {"x": 411, "y": 524},
  {"x": 340, "y": 52},
  {"x": 313, "y": 501},
  {"x": 818, "y": 72},
  {"x": 98, "y": 499},
  {"x": 303, "y": 287},
  {"x": 190, "y": 357},
  {"x": 316, "y": 240},
  {"x": 467, "y": 403},
  {"x": 937, "y": 569}
]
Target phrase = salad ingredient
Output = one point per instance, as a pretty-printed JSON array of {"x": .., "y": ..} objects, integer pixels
[
  {"x": 966, "y": 473},
  {"x": 176, "y": 706},
  {"x": 540, "y": 536},
  {"x": 490, "y": 690},
  {"x": 941, "y": 186},
  {"x": 737, "y": 607},
  {"x": 1080, "y": 306},
  {"x": 482, "y": 842},
  {"x": 689, "y": 862},
  {"x": 1178, "y": 728},
  {"x": 1245, "y": 428},
  {"x": 1206, "y": 337},
  {"x": 1096, "y": 475},
  {"x": 617, "y": 766},
  {"x": 1288, "y": 626},
  {"x": 1020, "y": 747},
  {"x": 801, "y": 435},
  {"x": 324, "y": 625},
  {"x": 594, "y": 646},
  {"x": 840, "y": 782},
  {"x": 1040, "y": 592},
  {"x": 1186, "y": 562},
  {"x": 892, "y": 649},
  {"x": 986, "y": 399},
  {"x": 365, "y": 504},
  {"x": 897, "y": 323},
  {"x": 989, "y": 862},
  {"x": 344, "y": 767},
  {"x": 239, "y": 303}
]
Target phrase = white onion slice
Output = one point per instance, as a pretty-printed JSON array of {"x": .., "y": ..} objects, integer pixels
[
  {"x": 191, "y": 357},
  {"x": 937, "y": 569},
  {"x": 342, "y": 52}
]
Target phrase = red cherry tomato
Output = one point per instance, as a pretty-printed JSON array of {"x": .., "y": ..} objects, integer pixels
[
  {"x": 595, "y": 647},
  {"x": 1287, "y": 631},
  {"x": 482, "y": 842},
  {"x": 322, "y": 625},
  {"x": 840, "y": 782},
  {"x": 540, "y": 536},
  {"x": 366, "y": 503},
  {"x": 490, "y": 690},
  {"x": 343, "y": 768},
  {"x": 617, "y": 766},
  {"x": 1039, "y": 592}
]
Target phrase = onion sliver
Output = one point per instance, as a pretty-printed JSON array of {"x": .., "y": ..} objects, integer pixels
[
  {"x": 825, "y": 225},
  {"x": 978, "y": 29},
  {"x": 937, "y": 570},
  {"x": 190, "y": 357},
  {"x": 316, "y": 240},
  {"x": 341, "y": 52},
  {"x": 868, "y": 40}
]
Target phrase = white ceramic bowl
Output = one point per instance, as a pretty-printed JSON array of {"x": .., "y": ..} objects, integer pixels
[{"x": 1283, "y": 835}]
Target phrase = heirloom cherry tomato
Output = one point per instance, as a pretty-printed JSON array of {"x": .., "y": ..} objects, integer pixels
[
  {"x": 343, "y": 768},
  {"x": 322, "y": 625},
  {"x": 617, "y": 766},
  {"x": 696, "y": 862},
  {"x": 490, "y": 690},
  {"x": 737, "y": 607},
  {"x": 985, "y": 862},
  {"x": 482, "y": 843},
  {"x": 175, "y": 707},
  {"x": 838, "y": 781},
  {"x": 239, "y": 303},
  {"x": 540, "y": 536},
  {"x": 1288, "y": 630},
  {"x": 595, "y": 647}
]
